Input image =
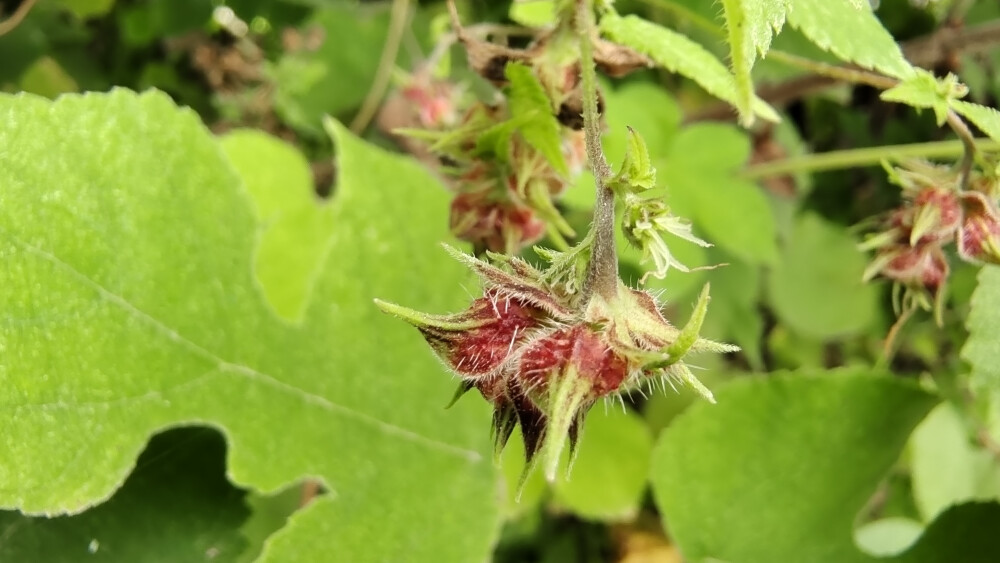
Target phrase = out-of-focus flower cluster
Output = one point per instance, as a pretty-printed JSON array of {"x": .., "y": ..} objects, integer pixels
[{"x": 911, "y": 248}]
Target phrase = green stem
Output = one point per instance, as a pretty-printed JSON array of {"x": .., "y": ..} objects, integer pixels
[
  {"x": 602, "y": 272},
  {"x": 854, "y": 158},
  {"x": 968, "y": 144}
]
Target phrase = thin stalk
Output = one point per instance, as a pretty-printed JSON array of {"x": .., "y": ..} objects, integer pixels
[
  {"x": 15, "y": 19},
  {"x": 968, "y": 146},
  {"x": 602, "y": 272},
  {"x": 854, "y": 158},
  {"x": 397, "y": 25}
]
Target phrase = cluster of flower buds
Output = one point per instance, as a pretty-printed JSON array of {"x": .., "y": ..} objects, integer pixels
[
  {"x": 508, "y": 158},
  {"x": 936, "y": 212},
  {"x": 543, "y": 352}
]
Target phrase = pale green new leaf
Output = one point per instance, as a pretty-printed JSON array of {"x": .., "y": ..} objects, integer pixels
[
  {"x": 678, "y": 54},
  {"x": 920, "y": 91},
  {"x": 750, "y": 24},
  {"x": 129, "y": 306},
  {"x": 985, "y": 118},
  {"x": 982, "y": 349},
  {"x": 295, "y": 227},
  {"x": 532, "y": 108},
  {"x": 849, "y": 30}
]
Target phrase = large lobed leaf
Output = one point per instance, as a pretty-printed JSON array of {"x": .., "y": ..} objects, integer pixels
[
  {"x": 780, "y": 468},
  {"x": 129, "y": 306}
]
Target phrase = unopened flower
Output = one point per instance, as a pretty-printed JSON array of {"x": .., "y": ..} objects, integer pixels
[
  {"x": 496, "y": 224},
  {"x": 979, "y": 235},
  {"x": 919, "y": 267},
  {"x": 933, "y": 215},
  {"x": 543, "y": 355}
]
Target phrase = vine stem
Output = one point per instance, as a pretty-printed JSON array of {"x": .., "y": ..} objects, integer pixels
[
  {"x": 602, "y": 272},
  {"x": 397, "y": 23},
  {"x": 835, "y": 160},
  {"x": 968, "y": 144},
  {"x": 15, "y": 19}
]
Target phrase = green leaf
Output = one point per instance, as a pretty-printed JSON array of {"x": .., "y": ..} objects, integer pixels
[
  {"x": 921, "y": 91},
  {"x": 295, "y": 228},
  {"x": 796, "y": 454},
  {"x": 946, "y": 468},
  {"x": 532, "y": 108},
  {"x": 130, "y": 306},
  {"x": 46, "y": 77},
  {"x": 888, "y": 536},
  {"x": 87, "y": 8},
  {"x": 987, "y": 119},
  {"x": 333, "y": 75},
  {"x": 700, "y": 175},
  {"x": 680, "y": 55},
  {"x": 734, "y": 315},
  {"x": 609, "y": 473},
  {"x": 816, "y": 287},
  {"x": 637, "y": 172},
  {"x": 750, "y": 25},
  {"x": 177, "y": 506},
  {"x": 533, "y": 13},
  {"x": 982, "y": 349},
  {"x": 849, "y": 29}
]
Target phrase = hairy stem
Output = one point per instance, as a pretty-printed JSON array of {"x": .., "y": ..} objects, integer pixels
[
  {"x": 968, "y": 147},
  {"x": 602, "y": 272},
  {"x": 853, "y": 158}
]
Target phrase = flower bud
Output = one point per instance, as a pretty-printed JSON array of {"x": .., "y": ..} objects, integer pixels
[
  {"x": 922, "y": 266},
  {"x": 979, "y": 236},
  {"x": 933, "y": 215},
  {"x": 500, "y": 226},
  {"x": 543, "y": 355}
]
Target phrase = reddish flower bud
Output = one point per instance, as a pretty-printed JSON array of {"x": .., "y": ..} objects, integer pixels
[
  {"x": 580, "y": 349},
  {"x": 542, "y": 355},
  {"x": 979, "y": 236},
  {"x": 500, "y": 226},
  {"x": 923, "y": 266},
  {"x": 933, "y": 215}
]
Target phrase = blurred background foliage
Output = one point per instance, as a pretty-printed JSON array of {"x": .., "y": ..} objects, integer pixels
[{"x": 791, "y": 295}]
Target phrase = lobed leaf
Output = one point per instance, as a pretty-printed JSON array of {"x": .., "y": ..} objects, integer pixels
[
  {"x": 295, "y": 227},
  {"x": 129, "y": 306}
]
